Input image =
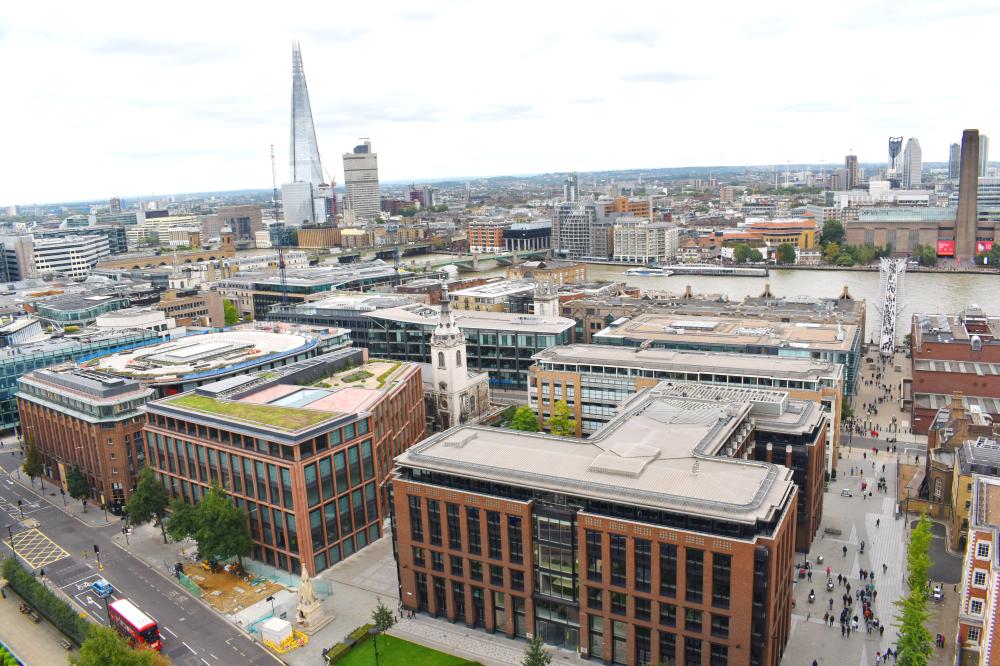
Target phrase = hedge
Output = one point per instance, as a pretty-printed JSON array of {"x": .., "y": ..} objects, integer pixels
[
  {"x": 7, "y": 659},
  {"x": 51, "y": 607},
  {"x": 340, "y": 649}
]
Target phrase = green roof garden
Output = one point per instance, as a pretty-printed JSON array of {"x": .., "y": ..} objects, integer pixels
[{"x": 283, "y": 418}]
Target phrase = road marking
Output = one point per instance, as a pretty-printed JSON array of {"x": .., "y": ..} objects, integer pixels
[
  {"x": 37, "y": 549},
  {"x": 167, "y": 629},
  {"x": 212, "y": 656},
  {"x": 188, "y": 647}
]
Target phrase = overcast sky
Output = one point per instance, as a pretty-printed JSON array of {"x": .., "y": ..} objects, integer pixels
[{"x": 140, "y": 98}]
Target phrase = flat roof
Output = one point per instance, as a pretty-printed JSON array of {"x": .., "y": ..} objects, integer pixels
[
  {"x": 936, "y": 401},
  {"x": 659, "y": 452},
  {"x": 957, "y": 328},
  {"x": 430, "y": 315},
  {"x": 670, "y": 359},
  {"x": 963, "y": 367},
  {"x": 289, "y": 419},
  {"x": 199, "y": 353},
  {"x": 728, "y": 330},
  {"x": 496, "y": 289},
  {"x": 985, "y": 511}
]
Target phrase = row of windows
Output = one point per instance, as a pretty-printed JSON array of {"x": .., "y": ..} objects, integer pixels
[{"x": 473, "y": 524}]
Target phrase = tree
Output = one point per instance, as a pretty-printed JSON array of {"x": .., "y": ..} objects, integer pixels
[
  {"x": 32, "y": 461},
  {"x": 382, "y": 617},
  {"x": 560, "y": 422},
  {"x": 914, "y": 642},
  {"x": 182, "y": 521},
  {"x": 535, "y": 654},
  {"x": 785, "y": 254},
  {"x": 220, "y": 528},
  {"x": 741, "y": 253},
  {"x": 77, "y": 485},
  {"x": 833, "y": 232},
  {"x": 830, "y": 252},
  {"x": 148, "y": 501},
  {"x": 232, "y": 314},
  {"x": 524, "y": 419},
  {"x": 755, "y": 256},
  {"x": 103, "y": 646}
]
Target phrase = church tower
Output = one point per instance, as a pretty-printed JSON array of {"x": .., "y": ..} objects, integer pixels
[{"x": 448, "y": 360}]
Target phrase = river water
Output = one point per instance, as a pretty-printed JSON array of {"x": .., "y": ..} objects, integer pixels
[{"x": 925, "y": 293}]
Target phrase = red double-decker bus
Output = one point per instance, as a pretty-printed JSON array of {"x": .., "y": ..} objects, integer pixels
[{"x": 136, "y": 627}]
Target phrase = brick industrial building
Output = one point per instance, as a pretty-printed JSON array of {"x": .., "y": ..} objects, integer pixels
[
  {"x": 952, "y": 354},
  {"x": 83, "y": 418},
  {"x": 654, "y": 541},
  {"x": 307, "y": 463}
]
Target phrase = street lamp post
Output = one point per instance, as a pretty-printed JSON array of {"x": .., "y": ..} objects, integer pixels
[
  {"x": 374, "y": 633},
  {"x": 10, "y": 534}
]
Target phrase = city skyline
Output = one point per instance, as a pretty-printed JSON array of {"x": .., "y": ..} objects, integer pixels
[{"x": 191, "y": 107}]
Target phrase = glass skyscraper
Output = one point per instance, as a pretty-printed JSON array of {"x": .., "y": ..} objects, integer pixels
[{"x": 304, "y": 151}]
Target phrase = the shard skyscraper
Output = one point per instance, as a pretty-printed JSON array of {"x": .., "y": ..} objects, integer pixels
[{"x": 304, "y": 151}]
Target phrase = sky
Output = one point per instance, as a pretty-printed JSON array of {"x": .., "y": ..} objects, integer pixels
[{"x": 134, "y": 99}]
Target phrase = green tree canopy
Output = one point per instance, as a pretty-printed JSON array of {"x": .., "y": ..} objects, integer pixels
[
  {"x": 32, "y": 460},
  {"x": 232, "y": 314},
  {"x": 785, "y": 254},
  {"x": 833, "y": 232},
  {"x": 216, "y": 524},
  {"x": 182, "y": 521},
  {"x": 104, "y": 647},
  {"x": 77, "y": 484},
  {"x": 524, "y": 419},
  {"x": 535, "y": 653},
  {"x": 560, "y": 422},
  {"x": 382, "y": 617},
  {"x": 914, "y": 643},
  {"x": 741, "y": 253},
  {"x": 148, "y": 501},
  {"x": 755, "y": 256}
]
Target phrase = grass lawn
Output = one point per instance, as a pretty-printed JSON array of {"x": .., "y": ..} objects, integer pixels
[
  {"x": 285, "y": 418},
  {"x": 394, "y": 651}
]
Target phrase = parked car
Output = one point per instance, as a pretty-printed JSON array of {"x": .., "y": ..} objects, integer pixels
[{"x": 938, "y": 593}]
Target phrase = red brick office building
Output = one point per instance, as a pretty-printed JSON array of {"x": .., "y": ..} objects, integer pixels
[
  {"x": 305, "y": 450},
  {"x": 654, "y": 541}
]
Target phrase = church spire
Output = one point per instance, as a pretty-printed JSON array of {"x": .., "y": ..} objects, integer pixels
[{"x": 447, "y": 331}]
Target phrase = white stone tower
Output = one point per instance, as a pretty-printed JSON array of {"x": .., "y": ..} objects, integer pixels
[{"x": 448, "y": 361}]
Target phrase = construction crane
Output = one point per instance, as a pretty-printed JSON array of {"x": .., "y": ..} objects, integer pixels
[{"x": 280, "y": 237}]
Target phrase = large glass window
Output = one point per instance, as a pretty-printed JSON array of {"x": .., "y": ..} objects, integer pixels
[
  {"x": 326, "y": 478},
  {"x": 514, "y": 539},
  {"x": 434, "y": 521},
  {"x": 358, "y": 504},
  {"x": 643, "y": 575},
  {"x": 618, "y": 545},
  {"x": 472, "y": 528},
  {"x": 694, "y": 574},
  {"x": 643, "y": 649},
  {"x": 493, "y": 535},
  {"x": 366, "y": 459},
  {"x": 354, "y": 464},
  {"x": 416, "y": 520},
  {"x": 668, "y": 648},
  {"x": 596, "y": 636},
  {"x": 454, "y": 528},
  {"x": 595, "y": 562},
  {"x": 721, "y": 566},
  {"x": 340, "y": 467},
  {"x": 668, "y": 570},
  {"x": 312, "y": 484},
  {"x": 692, "y": 651}
]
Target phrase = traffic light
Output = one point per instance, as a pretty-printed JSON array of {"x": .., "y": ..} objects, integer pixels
[{"x": 96, "y": 548}]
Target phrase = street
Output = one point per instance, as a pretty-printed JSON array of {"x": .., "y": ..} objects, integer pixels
[{"x": 64, "y": 547}]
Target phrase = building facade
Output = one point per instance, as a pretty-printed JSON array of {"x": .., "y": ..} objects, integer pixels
[
  {"x": 528, "y": 236},
  {"x": 913, "y": 164},
  {"x": 361, "y": 182},
  {"x": 85, "y": 419},
  {"x": 244, "y": 221},
  {"x": 309, "y": 466},
  {"x": 639, "y": 241},
  {"x": 487, "y": 236},
  {"x": 978, "y": 608},
  {"x": 580, "y": 543},
  {"x": 70, "y": 256},
  {"x": 553, "y": 271}
]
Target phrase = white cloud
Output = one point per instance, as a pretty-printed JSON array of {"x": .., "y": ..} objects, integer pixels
[{"x": 131, "y": 100}]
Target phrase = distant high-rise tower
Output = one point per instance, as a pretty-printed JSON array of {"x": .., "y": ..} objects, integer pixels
[
  {"x": 968, "y": 183},
  {"x": 954, "y": 159},
  {"x": 115, "y": 204},
  {"x": 571, "y": 188},
  {"x": 984, "y": 155},
  {"x": 361, "y": 182},
  {"x": 895, "y": 163},
  {"x": 303, "y": 155},
  {"x": 852, "y": 171},
  {"x": 913, "y": 164}
]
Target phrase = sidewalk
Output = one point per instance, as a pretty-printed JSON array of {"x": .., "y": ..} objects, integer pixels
[{"x": 33, "y": 643}]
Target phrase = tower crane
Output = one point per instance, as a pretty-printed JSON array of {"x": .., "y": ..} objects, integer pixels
[{"x": 280, "y": 245}]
